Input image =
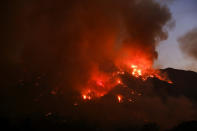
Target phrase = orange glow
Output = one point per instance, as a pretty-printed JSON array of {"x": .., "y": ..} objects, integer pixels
[
  {"x": 89, "y": 98},
  {"x": 133, "y": 66},
  {"x": 119, "y": 81},
  {"x": 100, "y": 83},
  {"x": 139, "y": 72},
  {"x": 136, "y": 71},
  {"x": 148, "y": 72},
  {"x": 138, "y": 66},
  {"x": 84, "y": 97},
  {"x": 119, "y": 97}
]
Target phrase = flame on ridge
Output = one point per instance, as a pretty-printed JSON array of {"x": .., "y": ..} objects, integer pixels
[{"x": 100, "y": 84}]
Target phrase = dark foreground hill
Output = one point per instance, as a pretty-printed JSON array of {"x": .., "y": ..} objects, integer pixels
[
  {"x": 185, "y": 82},
  {"x": 156, "y": 105}
]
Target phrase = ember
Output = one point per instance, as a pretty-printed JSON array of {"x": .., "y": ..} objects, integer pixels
[
  {"x": 119, "y": 97},
  {"x": 119, "y": 81}
]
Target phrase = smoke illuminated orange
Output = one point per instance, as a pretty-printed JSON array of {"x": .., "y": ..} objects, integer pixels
[{"x": 100, "y": 83}]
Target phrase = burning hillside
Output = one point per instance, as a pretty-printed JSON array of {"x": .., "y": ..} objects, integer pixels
[
  {"x": 87, "y": 46},
  {"x": 100, "y": 84},
  {"x": 82, "y": 43},
  {"x": 88, "y": 60}
]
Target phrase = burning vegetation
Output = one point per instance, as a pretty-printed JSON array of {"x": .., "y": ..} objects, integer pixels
[{"x": 101, "y": 84}]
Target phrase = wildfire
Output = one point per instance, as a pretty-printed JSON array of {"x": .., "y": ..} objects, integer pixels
[
  {"x": 101, "y": 83},
  {"x": 145, "y": 73},
  {"x": 135, "y": 71}
]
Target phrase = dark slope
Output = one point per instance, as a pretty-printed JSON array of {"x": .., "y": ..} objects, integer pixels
[
  {"x": 184, "y": 82},
  {"x": 154, "y": 95}
]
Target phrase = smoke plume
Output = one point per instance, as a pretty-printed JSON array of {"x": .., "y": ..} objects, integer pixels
[
  {"x": 68, "y": 40},
  {"x": 188, "y": 43}
]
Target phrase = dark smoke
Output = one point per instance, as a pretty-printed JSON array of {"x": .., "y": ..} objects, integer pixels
[
  {"x": 67, "y": 39},
  {"x": 188, "y": 43}
]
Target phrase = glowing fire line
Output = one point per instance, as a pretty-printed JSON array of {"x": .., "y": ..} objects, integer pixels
[{"x": 100, "y": 87}]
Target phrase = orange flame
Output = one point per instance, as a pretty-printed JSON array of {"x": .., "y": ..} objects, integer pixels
[
  {"x": 101, "y": 83},
  {"x": 119, "y": 97}
]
